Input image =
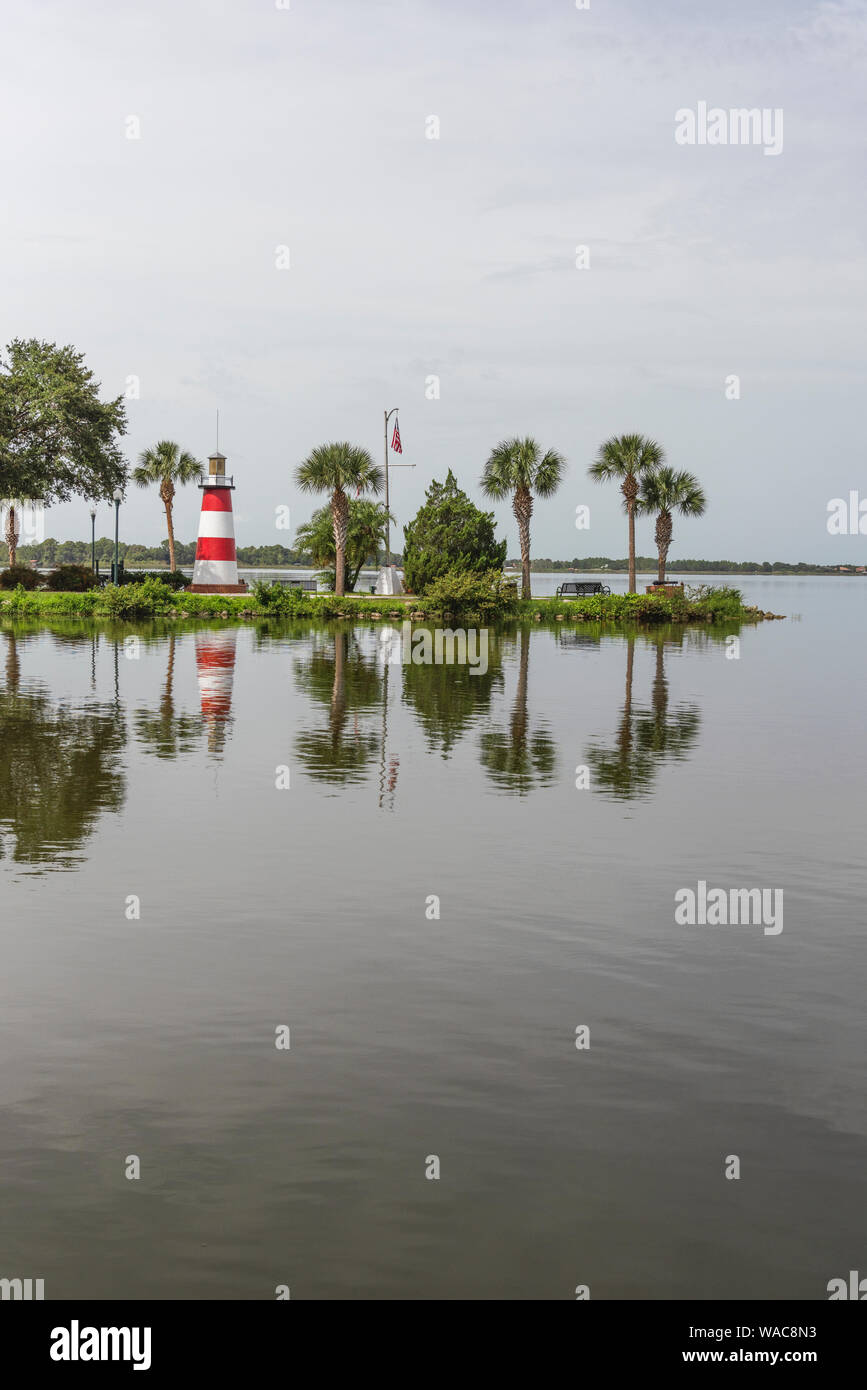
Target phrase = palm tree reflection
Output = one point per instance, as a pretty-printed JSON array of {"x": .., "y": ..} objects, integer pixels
[
  {"x": 647, "y": 736},
  {"x": 519, "y": 758},
  {"x": 163, "y": 731},
  {"x": 339, "y": 675}
]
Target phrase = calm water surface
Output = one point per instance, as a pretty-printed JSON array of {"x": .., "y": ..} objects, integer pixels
[{"x": 147, "y": 771}]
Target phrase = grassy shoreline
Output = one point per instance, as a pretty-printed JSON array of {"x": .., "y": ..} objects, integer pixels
[{"x": 136, "y": 602}]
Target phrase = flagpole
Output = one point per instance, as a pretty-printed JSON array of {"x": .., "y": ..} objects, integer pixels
[
  {"x": 387, "y": 528},
  {"x": 388, "y": 414}
]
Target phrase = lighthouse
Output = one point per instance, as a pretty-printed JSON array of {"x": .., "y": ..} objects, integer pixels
[{"x": 216, "y": 567}]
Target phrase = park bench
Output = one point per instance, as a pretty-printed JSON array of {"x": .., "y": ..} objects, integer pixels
[
  {"x": 578, "y": 588},
  {"x": 308, "y": 585}
]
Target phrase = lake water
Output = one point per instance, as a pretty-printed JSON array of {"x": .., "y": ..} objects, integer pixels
[{"x": 166, "y": 908}]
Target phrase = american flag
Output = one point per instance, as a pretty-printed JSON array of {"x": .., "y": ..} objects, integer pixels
[{"x": 395, "y": 439}]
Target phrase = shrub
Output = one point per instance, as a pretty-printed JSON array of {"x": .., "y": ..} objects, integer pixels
[
  {"x": 20, "y": 575},
  {"x": 717, "y": 603},
  {"x": 71, "y": 579},
  {"x": 21, "y": 603},
  {"x": 174, "y": 579},
  {"x": 279, "y": 598},
  {"x": 463, "y": 594},
  {"x": 136, "y": 600}
]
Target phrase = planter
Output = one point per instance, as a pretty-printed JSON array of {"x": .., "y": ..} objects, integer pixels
[{"x": 669, "y": 590}]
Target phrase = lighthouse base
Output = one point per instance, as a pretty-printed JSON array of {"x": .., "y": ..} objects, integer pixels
[{"x": 216, "y": 588}]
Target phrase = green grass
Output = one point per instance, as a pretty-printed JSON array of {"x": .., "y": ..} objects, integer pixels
[{"x": 153, "y": 599}]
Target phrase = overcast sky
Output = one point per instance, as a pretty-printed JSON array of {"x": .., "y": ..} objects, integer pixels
[{"x": 305, "y": 127}]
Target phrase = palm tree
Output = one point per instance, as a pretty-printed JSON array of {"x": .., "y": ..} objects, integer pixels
[
  {"x": 518, "y": 466},
  {"x": 627, "y": 458},
  {"x": 335, "y": 468},
  {"x": 365, "y": 532},
  {"x": 664, "y": 492},
  {"x": 167, "y": 464}
]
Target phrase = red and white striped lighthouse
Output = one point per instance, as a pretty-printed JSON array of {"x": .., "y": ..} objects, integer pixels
[{"x": 216, "y": 567}]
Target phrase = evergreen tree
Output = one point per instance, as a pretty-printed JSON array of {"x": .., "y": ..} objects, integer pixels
[{"x": 449, "y": 532}]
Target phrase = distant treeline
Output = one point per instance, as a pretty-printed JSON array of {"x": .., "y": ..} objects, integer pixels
[
  {"x": 53, "y": 552},
  {"x": 647, "y": 564}
]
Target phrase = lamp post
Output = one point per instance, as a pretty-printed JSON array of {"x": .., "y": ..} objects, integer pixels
[
  {"x": 93, "y": 539},
  {"x": 118, "y": 498}
]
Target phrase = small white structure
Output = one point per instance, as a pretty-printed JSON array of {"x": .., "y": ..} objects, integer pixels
[{"x": 389, "y": 580}]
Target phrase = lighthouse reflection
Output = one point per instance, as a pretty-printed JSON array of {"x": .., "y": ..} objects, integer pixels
[{"x": 215, "y": 668}]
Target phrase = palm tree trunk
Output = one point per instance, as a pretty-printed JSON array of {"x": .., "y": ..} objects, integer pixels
[
  {"x": 13, "y": 665},
  {"x": 629, "y": 489},
  {"x": 170, "y": 525},
  {"x": 663, "y": 541},
  {"x": 523, "y": 509},
  {"x": 340, "y": 522},
  {"x": 624, "y": 737},
  {"x": 12, "y": 537},
  {"x": 519, "y": 710},
  {"x": 167, "y": 492},
  {"x": 338, "y": 688},
  {"x": 659, "y": 698}
]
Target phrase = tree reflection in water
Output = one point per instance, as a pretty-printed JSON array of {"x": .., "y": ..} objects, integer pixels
[
  {"x": 647, "y": 736},
  {"x": 339, "y": 675},
  {"x": 163, "y": 731},
  {"x": 61, "y": 769},
  {"x": 519, "y": 758},
  {"x": 448, "y": 699}
]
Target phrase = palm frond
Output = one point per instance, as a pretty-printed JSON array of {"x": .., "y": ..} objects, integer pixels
[
  {"x": 166, "y": 461},
  {"x": 624, "y": 455},
  {"x": 670, "y": 490},
  {"x": 519, "y": 463},
  {"x": 339, "y": 466}
]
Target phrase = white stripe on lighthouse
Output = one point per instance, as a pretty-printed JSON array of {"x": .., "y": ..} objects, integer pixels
[
  {"x": 215, "y": 572},
  {"x": 217, "y": 524}
]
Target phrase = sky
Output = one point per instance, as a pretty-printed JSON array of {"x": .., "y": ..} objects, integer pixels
[{"x": 306, "y": 124}]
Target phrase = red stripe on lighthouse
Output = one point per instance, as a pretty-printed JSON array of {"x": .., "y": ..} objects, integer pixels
[
  {"x": 215, "y": 548},
  {"x": 217, "y": 499},
  {"x": 215, "y": 658}
]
